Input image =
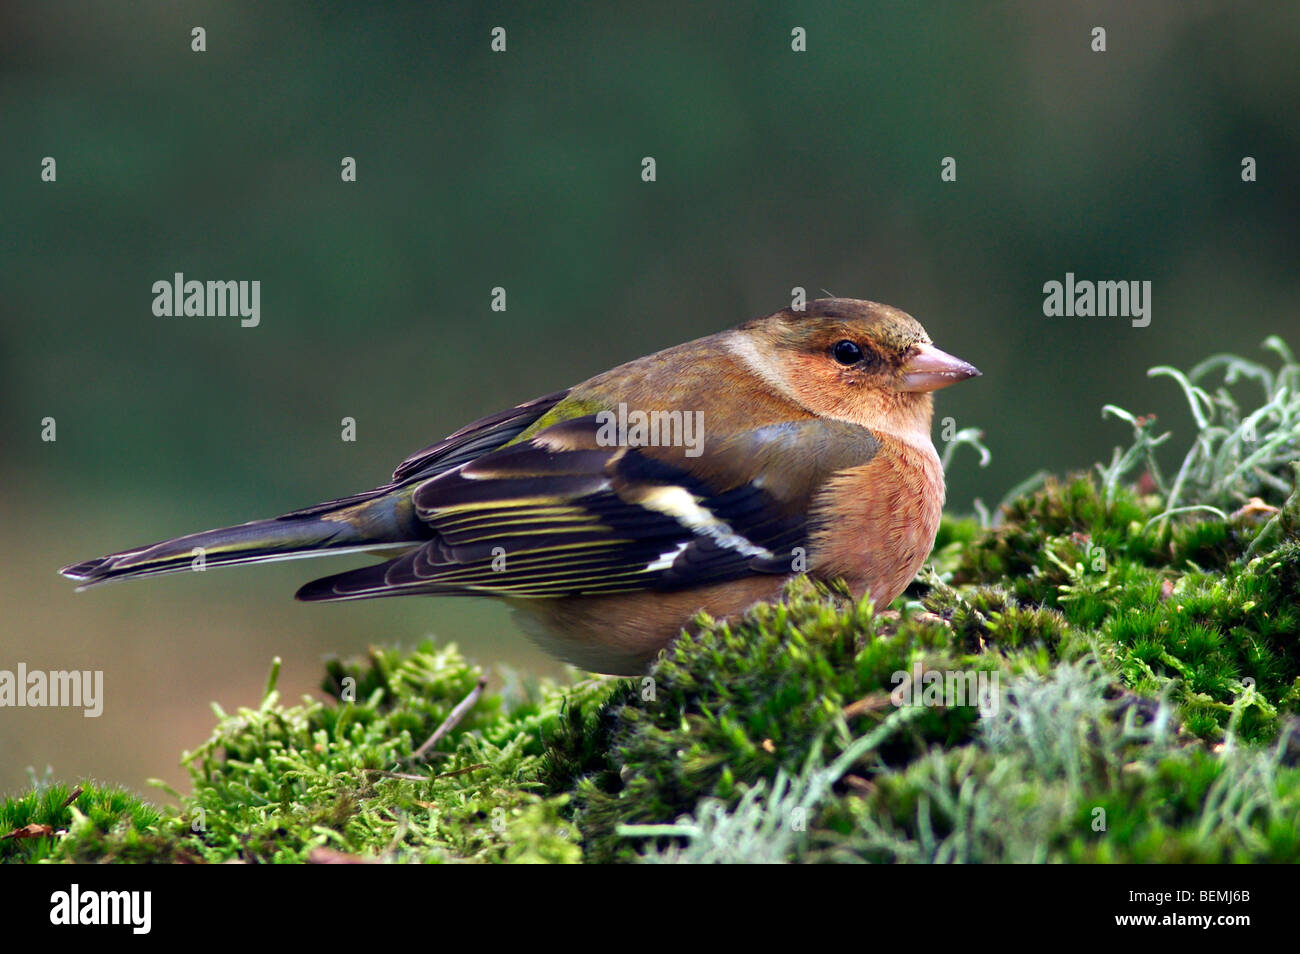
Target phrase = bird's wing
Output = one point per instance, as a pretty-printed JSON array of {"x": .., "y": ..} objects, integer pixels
[
  {"x": 473, "y": 440},
  {"x": 559, "y": 513}
]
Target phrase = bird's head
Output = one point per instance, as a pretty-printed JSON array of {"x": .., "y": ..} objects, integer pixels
[{"x": 855, "y": 360}]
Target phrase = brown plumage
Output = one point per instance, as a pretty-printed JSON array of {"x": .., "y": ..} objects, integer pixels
[{"x": 812, "y": 452}]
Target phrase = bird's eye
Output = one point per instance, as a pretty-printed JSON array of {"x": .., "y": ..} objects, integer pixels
[{"x": 846, "y": 352}]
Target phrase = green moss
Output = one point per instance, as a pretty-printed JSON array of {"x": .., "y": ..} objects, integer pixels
[
  {"x": 747, "y": 701},
  {"x": 86, "y": 822}
]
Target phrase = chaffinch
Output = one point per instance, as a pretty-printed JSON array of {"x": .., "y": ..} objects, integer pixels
[{"x": 609, "y": 514}]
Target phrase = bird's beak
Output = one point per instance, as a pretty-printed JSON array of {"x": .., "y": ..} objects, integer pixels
[{"x": 931, "y": 369}]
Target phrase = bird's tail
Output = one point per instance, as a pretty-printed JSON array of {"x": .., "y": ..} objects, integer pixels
[{"x": 378, "y": 521}]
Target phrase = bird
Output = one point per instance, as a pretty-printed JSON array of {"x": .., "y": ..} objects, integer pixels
[{"x": 609, "y": 515}]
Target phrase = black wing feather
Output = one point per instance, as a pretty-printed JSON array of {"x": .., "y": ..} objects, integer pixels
[{"x": 538, "y": 520}]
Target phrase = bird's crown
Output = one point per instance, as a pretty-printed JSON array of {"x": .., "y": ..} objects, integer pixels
[{"x": 820, "y": 323}]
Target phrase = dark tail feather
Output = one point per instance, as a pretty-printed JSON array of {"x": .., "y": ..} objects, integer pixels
[{"x": 380, "y": 523}]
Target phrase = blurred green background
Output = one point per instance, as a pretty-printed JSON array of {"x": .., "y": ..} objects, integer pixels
[{"x": 775, "y": 169}]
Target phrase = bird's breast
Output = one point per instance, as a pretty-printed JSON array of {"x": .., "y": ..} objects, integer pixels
[{"x": 876, "y": 522}]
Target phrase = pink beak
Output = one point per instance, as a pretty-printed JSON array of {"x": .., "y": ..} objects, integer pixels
[{"x": 931, "y": 369}]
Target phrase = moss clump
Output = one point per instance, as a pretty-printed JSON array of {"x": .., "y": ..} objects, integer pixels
[
  {"x": 86, "y": 822},
  {"x": 748, "y": 701},
  {"x": 276, "y": 783},
  {"x": 1206, "y": 631},
  {"x": 1062, "y": 773},
  {"x": 286, "y": 783}
]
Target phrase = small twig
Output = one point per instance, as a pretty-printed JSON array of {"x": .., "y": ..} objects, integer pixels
[
  {"x": 452, "y": 720},
  {"x": 408, "y": 777},
  {"x": 33, "y": 830},
  {"x": 76, "y": 793},
  {"x": 859, "y": 784},
  {"x": 401, "y": 776},
  {"x": 874, "y": 702},
  {"x": 459, "y": 771}
]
